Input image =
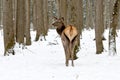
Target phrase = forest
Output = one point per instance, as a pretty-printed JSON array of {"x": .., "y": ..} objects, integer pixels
[
  {"x": 17, "y": 16},
  {"x": 31, "y": 48}
]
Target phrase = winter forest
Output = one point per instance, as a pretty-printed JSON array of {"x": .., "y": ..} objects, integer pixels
[{"x": 31, "y": 47}]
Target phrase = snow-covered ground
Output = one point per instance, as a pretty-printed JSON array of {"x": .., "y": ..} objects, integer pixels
[{"x": 45, "y": 60}]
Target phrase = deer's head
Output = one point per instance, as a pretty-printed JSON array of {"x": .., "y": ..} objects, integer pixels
[{"x": 59, "y": 22}]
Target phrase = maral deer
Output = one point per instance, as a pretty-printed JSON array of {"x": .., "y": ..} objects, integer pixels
[{"x": 68, "y": 36}]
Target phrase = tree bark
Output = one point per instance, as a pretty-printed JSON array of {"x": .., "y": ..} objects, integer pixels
[
  {"x": 89, "y": 14},
  {"x": 45, "y": 16},
  {"x": 1, "y": 13},
  {"x": 40, "y": 20},
  {"x": 63, "y": 10},
  {"x": 8, "y": 26},
  {"x": 99, "y": 26},
  {"x": 34, "y": 19},
  {"x": 14, "y": 15},
  {"x": 27, "y": 32},
  {"x": 20, "y": 22},
  {"x": 113, "y": 25}
]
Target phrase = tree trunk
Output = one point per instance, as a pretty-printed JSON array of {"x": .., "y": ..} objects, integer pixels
[
  {"x": 45, "y": 16},
  {"x": 8, "y": 26},
  {"x": 39, "y": 14},
  {"x": 79, "y": 4},
  {"x": 34, "y": 19},
  {"x": 27, "y": 32},
  {"x": 1, "y": 12},
  {"x": 99, "y": 26},
  {"x": 63, "y": 10},
  {"x": 113, "y": 25},
  {"x": 89, "y": 14},
  {"x": 20, "y": 22},
  {"x": 14, "y": 15}
]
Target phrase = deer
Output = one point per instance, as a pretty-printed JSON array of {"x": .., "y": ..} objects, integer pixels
[{"x": 69, "y": 35}]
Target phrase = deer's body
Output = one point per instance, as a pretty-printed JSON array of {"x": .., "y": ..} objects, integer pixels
[{"x": 68, "y": 36}]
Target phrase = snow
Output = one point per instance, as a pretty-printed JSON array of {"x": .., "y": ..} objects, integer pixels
[{"x": 45, "y": 60}]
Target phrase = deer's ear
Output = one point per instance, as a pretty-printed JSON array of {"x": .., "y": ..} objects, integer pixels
[
  {"x": 55, "y": 18},
  {"x": 62, "y": 18}
]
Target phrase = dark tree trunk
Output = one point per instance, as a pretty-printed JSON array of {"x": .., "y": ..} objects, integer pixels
[
  {"x": 20, "y": 22},
  {"x": 112, "y": 31},
  {"x": 99, "y": 26},
  {"x": 39, "y": 21},
  {"x": 8, "y": 26},
  {"x": 27, "y": 32}
]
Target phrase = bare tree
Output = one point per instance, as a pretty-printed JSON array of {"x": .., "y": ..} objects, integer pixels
[
  {"x": 14, "y": 15},
  {"x": 89, "y": 14},
  {"x": 45, "y": 16},
  {"x": 40, "y": 17},
  {"x": 20, "y": 22},
  {"x": 113, "y": 25},
  {"x": 99, "y": 26},
  {"x": 63, "y": 10},
  {"x": 1, "y": 12},
  {"x": 8, "y": 26},
  {"x": 27, "y": 30},
  {"x": 79, "y": 13},
  {"x": 34, "y": 15}
]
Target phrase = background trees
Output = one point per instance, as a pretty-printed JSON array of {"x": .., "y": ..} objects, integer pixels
[
  {"x": 40, "y": 17},
  {"x": 18, "y": 16},
  {"x": 8, "y": 26}
]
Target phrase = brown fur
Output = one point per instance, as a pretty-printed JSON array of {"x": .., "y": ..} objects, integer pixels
[
  {"x": 70, "y": 32},
  {"x": 69, "y": 39}
]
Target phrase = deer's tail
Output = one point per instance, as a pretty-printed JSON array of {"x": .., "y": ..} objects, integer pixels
[{"x": 70, "y": 31}]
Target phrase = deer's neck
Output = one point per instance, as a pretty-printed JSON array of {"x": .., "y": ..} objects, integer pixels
[{"x": 60, "y": 30}]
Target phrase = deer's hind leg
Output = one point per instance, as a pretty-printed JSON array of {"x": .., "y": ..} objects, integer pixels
[
  {"x": 66, "y": 55},
  {"x": 71, "y": 49},
  {"x": 75, "y": 46},
  {"x": 66, "y": 49},
  {"x": 72, "y": 46}
]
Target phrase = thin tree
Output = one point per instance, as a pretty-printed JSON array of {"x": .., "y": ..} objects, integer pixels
[
  {"x": 63, "y": 10},
  {"x": 1, "y": 12},
  {"x": 79, "y": 17},
  {"x": 27, "y": 32},
  {"x": 40, "y": 13},
  {"x": 14, "y": 15},
  {"x": 89, "y": 14},
  {"x": 34, "y": 15},
  {"x": 113, "y": 25},
  {"x": 99, "y": 26},
  {"x": 39, "y": 18},
  {"x": 45, "y": 17},
  {"x": 8, "y": 26}
]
